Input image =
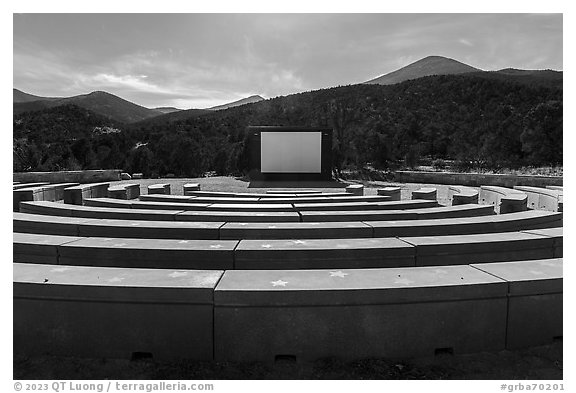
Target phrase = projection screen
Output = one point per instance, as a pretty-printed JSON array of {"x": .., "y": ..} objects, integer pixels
[{"x": 291, "y": 152}]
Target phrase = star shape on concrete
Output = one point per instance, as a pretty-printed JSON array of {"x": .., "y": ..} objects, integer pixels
[
  {"x": 440, "y": 271},
  {"x": 403, "y": 281},
  {"x": 216, "y": 246},
  {"x": 279, "y": 283},
  {"x": 299, "y": 242},
  {"x": 266, "y": 245},
  {"x": 119, "y": 245},
  {"x": 183, "y": 241},
  {"x": 116, "y": 279},
  {"x": 536, "y": 272},
  {"x": 134, "y": 224},
  {"x": 177, "y": 274},
  {"x": 272, "y": 227},
  {"x": 338, "y": 273}
]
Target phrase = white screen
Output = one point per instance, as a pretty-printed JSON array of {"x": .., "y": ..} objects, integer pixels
[{"x": 295, "y": 152}]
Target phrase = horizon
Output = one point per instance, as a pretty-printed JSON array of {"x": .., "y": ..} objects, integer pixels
[{"x": 205, "y": 60}]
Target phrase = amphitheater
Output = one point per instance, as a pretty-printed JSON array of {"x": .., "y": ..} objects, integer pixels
[{"x": 126, "y": 270}]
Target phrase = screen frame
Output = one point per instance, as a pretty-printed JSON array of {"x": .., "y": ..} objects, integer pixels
[{"x": 254, "y": 134}]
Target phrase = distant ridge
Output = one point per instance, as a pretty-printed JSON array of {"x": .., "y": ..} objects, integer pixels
[
  {"x": 167, "y": 109},
  {"x": 243, "y": 101},
  {"x": 431, "y": 65},
  {"x": 100, "y": 102}
]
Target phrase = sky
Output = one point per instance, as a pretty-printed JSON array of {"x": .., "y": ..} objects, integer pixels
[{"x": 203, "y": 60}]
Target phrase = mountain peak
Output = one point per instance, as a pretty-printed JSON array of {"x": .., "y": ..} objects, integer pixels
[
  {"x": 248, "y": 100},
  {"x": 429, "y": 65}
]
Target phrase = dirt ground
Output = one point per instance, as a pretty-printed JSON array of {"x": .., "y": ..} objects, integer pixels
[{"x": 536, "y": 363}]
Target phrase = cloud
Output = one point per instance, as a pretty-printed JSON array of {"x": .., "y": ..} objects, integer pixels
[{"x": 466, "y": 42}]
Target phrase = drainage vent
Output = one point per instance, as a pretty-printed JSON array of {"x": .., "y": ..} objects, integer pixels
[
  {"x": 444, "y": 351},
  {"x": 285, "y": 359},
  {"x": 141, "y": 355}
]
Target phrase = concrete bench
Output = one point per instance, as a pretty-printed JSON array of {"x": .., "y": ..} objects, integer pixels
[
  {"x": 356, "y": 189},
  {"x": 17, "y": 186},
  {"x": 392, "y": 192},
  {"x": 535, "y": 297},
  {"x": 388, "y": 205},
  {"x": 60, "y": 209},
  {"x": 558, "y": 188},
  {"x": 480, "y": 248},
  {"x": 427, "y": 193},
  {"x": 136, "y": 176},
  {"x": 242, "y": 216},
  {"x": 124, "y": 191},
  {"x": 387, "y": 215},
  {"x": 554, "y": 233},
  {"x": 462, "y": 195},
  {"x": 323, "y": 254},
  {"x": 77, "y": 194},
  {"x": 504, "y": 200},
  {"x": 467, "y": 225},
  {"x": 260, "y": 315},
  {"x": 147, "y": 253},
  {"x": 295, "y": 230},
  {"x": 186, "y": 188},
  {"x": 49, "y": 192},
  {"x": 35, "y": 248},
  {"x": 541, "y": 198},
  {"x": 159, "y": 189},
  {"x": 293, "y": 191},
  {"x": 113, "y": 313}
]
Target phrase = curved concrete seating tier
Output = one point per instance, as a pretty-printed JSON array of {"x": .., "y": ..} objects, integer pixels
[
  {"x": 17, "y": 186},
  {"x": 124, "y": 191},
  {"x": 242, "y": 315},
  {"x": 542, "y": 198},
  {"x": 31, "y": 223},
  {"x": 462, "y": 195},
  {"x": 190, "y": 204},
  {"x": 554, "y": 233},
  {"x": 48, "y": 192},
  {"x": 77, "y": 194},
  {"x": 425, "y": 193},
  {"x": 163, "y": 188},
  {"x": 392, "y": 192},
  {"x": 284, "y": 253},
  {"x": 259, "y": 200},
  {"x": 504, "y": 200}
]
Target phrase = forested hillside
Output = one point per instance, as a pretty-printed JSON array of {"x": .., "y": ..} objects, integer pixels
[{"x": 479, "y": 121}]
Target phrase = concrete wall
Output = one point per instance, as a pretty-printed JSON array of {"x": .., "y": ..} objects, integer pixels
[
  {"x": 476, "y": 179},
  {"x": 88, "y": 176}
]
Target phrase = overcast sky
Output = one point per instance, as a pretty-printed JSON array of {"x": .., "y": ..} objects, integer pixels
[{"x": 202, "y": 60}]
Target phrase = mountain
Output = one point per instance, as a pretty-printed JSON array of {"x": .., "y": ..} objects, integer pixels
[
  {"x": 167, "y": 109},
  {"x": 100, "y": 102},
  {"x": 431, "y": 65},
  {"x": 243, "y": 101},
  {"x": 19, "y": 96}
]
